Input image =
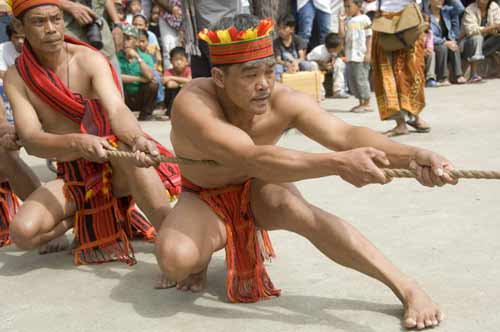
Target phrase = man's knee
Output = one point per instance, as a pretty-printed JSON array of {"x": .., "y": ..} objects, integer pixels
[
  {"x": 178, "y": 257},
  {"x": 22, "y": 232}
]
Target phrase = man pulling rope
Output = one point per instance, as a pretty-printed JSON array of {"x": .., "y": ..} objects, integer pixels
[
  {"x": 73, "y": 91},
  {"x": 235, "y": 119}
]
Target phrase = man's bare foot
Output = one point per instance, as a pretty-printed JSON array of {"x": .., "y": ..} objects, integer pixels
[
  {"x": 58, "y": 244},
  {"x": 194, "y": 283},
  {"x": 397, "y": 131},
  {"x": 420, "y": 311},
  {"x": 163, "y": 282}
]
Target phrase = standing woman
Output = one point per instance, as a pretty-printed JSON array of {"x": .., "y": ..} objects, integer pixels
[{"x": 399, "y": 78}]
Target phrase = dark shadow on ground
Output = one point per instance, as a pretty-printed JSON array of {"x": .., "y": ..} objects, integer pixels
[{"x": 135, "y": 288}]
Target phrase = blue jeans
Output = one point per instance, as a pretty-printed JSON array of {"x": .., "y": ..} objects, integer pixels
[{"x": 306, "y": 17}]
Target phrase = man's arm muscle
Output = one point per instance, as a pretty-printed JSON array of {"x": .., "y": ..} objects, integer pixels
[
  {"x": 123, "y": 121},
  {"x": 29, "y": 129},
  {"x": 335, "y": 134},
  {"x": 232, "y": 147}
]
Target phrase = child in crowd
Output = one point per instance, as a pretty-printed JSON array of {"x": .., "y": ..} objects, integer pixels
[
  {"x": 430, "y": 56},
  {"x": 141, "y": 22},
  {"x": 154, "y": 26},
  {"x": 171, "y": 30},
  {"x": 120, "y": 10},
  {"x": 358, "y": 39},
  {"x": 154, "y": 52},
  {"x": 290, "y": 49},
  {"x": 134, "y": 7},
  {"x": 176, "y": 77},
  {"x": 328, "y": 57}
]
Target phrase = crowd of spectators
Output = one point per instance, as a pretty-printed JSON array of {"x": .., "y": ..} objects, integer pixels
[{"x": 152, "y": 44}]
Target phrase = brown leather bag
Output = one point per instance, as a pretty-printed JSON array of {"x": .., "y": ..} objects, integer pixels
[{"x": 401, "y": 31}]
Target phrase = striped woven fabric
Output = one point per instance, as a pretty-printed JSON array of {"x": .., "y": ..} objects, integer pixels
[
  {"x": 9, "y": 204},
  {"x": 103, "y": 223},
  {"x": 240, "y": 52}
]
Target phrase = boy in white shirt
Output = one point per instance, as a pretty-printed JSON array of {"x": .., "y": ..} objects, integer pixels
[
  {"x": 358, "y": 39},
  {"x": 328, "y": 58}
]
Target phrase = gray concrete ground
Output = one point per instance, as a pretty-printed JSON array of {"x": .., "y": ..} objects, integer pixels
[{"x": 446, "y": 238}]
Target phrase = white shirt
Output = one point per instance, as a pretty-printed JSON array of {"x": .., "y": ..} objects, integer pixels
[
  {"x": 319, "y": 53},
  {"x": 323, "y": 5},
  {"x": 357, "y": 29},
  {"x": 8, "y": 55}
]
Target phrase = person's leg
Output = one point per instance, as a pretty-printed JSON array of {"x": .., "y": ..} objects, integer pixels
[
  {"x": 430, "y": 67},
  {"x": 200, "y": 64},
  {"x": 146, "y": 98},
  {"x": 351, "y": 79},
  {"x": 305, "y": 18},
  {"x": 473, "y": 53},
  {"x": 339, "y": 78},
  {"x": 491, "y": 45},
  {"x": 21, "y": 177},
  {"x": 171, "y": 92},
  {"x": 456, "y": 65},
  {"x": 281, "y": 207},
  {"x": 43, "y": 216},
  {"x": 324, "y": 23},
  {"x": 308, "y": 66},
  {"x": 186, "y": 241},
  {"x": 364, "y": 86},
  {"x": 441, "y": 62}
]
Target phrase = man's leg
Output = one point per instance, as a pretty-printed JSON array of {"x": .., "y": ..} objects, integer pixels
[
  {"x": 146, "y": 97},
  {"x": 22, "y": 179},
  {"x": 43, "y": 216},
  {"x": 430, "y": 67},
  {"x": 491, "y": 45},
  {"x": 456, "y": 65},
  {"x": 281, "y": 207},
  {"x": 324, "y": 24},
  {"x": 186, "y": 241}
]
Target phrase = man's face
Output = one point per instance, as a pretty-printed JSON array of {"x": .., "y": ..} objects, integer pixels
[
  {"x": 139, "y": 23},
  {"x": 129, "y": 42},
  {"x": 143, "y": 43},
  {"x": 437, "y": 4},
  {"x": 179, "y": 62},
  {"x": 44, "y": 28},
  {"x": 249, "y": 85},
  {"x": 18, "y": 40},
  {"x": 285, "y": 31}
]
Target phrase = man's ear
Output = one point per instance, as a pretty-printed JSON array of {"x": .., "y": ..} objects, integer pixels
[{"x": 218, "y": 77}]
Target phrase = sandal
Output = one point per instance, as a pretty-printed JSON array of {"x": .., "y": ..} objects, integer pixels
[
  {"x": 475, "y": 79},
  {"x": 418, "y": 127}
]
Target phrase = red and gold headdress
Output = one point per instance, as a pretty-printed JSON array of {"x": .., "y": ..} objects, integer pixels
[
  {"x": 231, "y": 46},
  {"x": 21, "y": 6}
]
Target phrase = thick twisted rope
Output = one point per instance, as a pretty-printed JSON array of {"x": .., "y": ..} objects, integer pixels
[{"x": 392, "y": 173}]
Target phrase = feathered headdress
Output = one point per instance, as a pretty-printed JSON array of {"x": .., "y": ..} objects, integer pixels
[{"x": 231, "y": 46}]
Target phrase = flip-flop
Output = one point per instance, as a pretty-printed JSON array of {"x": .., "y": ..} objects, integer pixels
[
  {"x": 418, "y": 128},
  {"x": 475, "y": 79}
]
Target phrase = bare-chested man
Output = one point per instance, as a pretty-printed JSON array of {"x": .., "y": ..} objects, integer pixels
[
  {"x": 67, "y": 105},
  {"x": 235, "y": 118}
]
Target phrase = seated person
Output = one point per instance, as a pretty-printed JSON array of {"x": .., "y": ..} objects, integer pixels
[
  {"x": 137, "y": 75},
  {"x": 446, "y": 47},
  {"x": 328, "y": 58},
  {"x": 290, "y": 49},
  {"x": 154, "y": 52},
  {"x": 481, "y": 25},
  {"x": 175, "y": 78},
  {"x": 141, "y": 22}
]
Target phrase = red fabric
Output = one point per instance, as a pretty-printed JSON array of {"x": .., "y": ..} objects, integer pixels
[
  {"x": 102, "y": 224},
  {"x": 20, "y": 6},
  {"x": 186, "y": 73},
  {"x": 9, "y": 204},
  {"x": 239, "y": 52},
  {"x": 246, "y": 247}
]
